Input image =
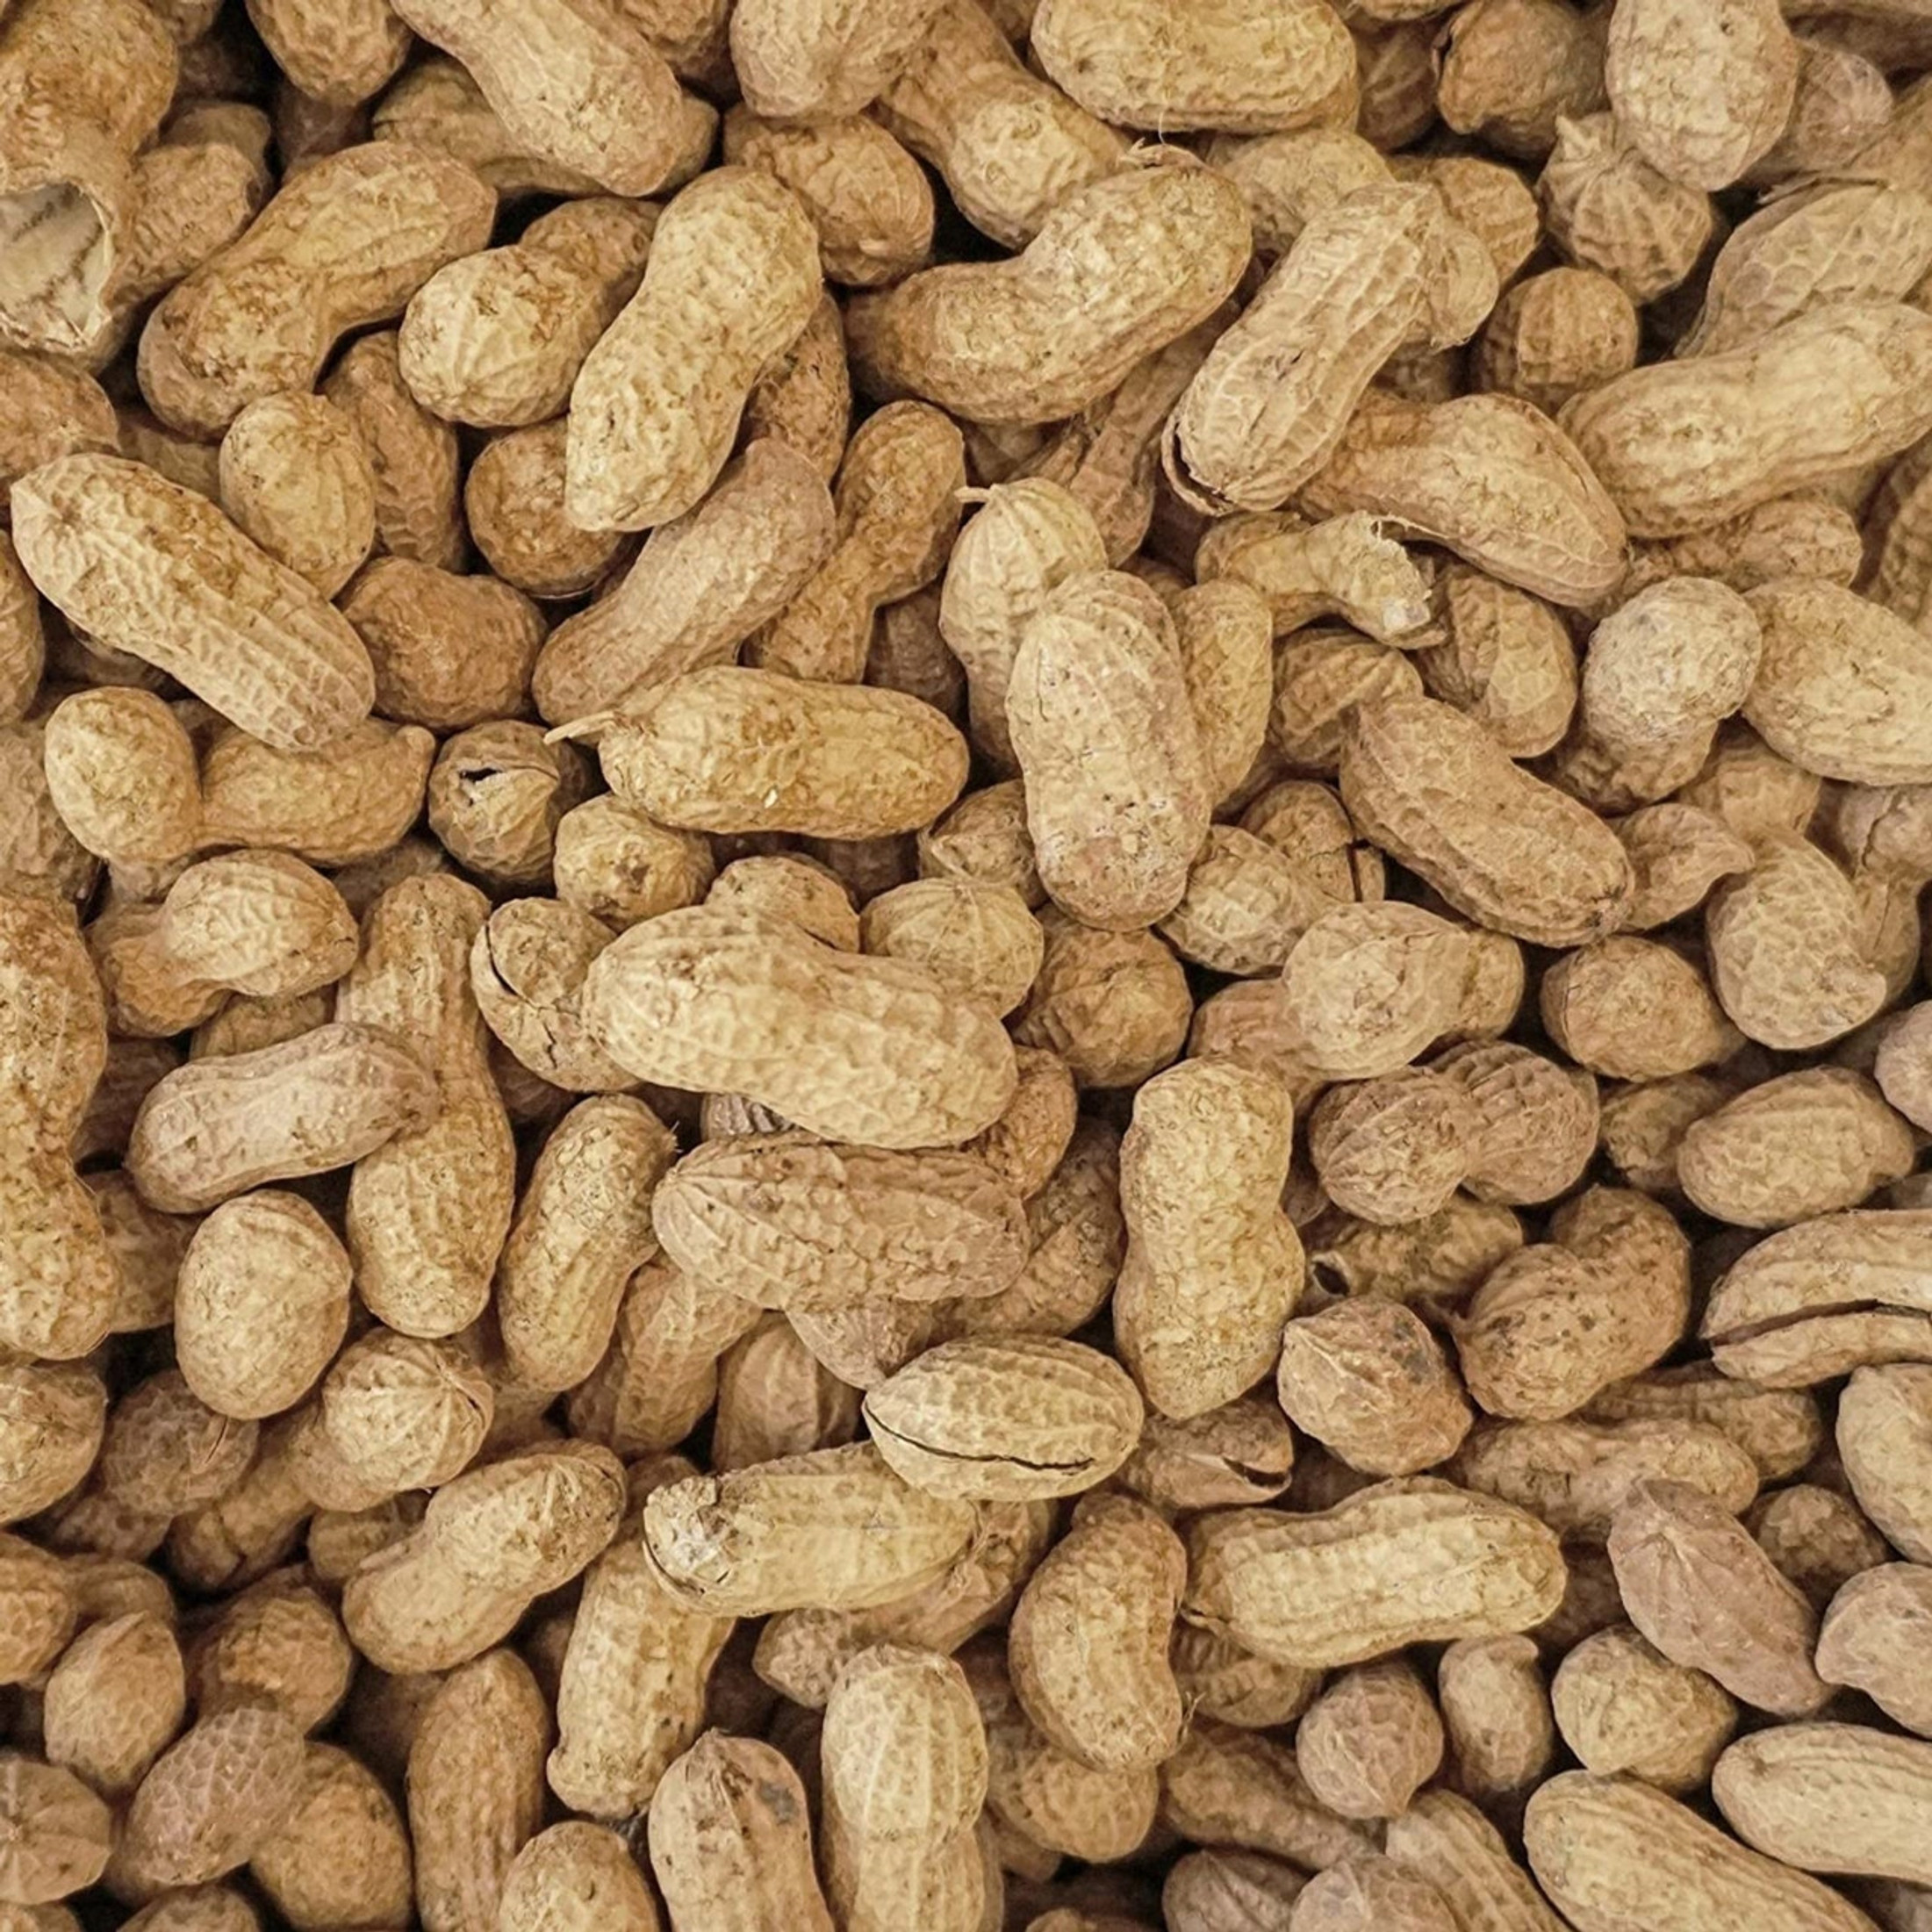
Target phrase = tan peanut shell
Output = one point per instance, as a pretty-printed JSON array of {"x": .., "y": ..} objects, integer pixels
[
  {"x": 1213, "y": 1267},
  {"x": 580, "y": 90},
  {"x": 793, "y": 1223},
  {"x": 731, "y": 1841},
  {"x": 1788, "y": 1794},
  {"x": 1233, "y": 1788},
  {"x": 1747, "y": 62},
  {"x": 1870, "y": 1636},
  {"x": 998, "y": 343},
  {"x": 1528, "y": 862},
  {"x": 573, "y": 1878},
  {"x": 1858, "y": 364},
  {"x": 835, "y": 1527},
  {"x": 1540, "y": 518},
  {"x": 1368, "y": 1380},
  {"x": 216, "y": 1128},
  {"x": 648, "y": 436},
  {"x": 428, "y": 1210},
  {"x": 315, "y": 270},
  {"x": 1230, "y": 66},
  {"x": 948, "y": 1068},
  {"x": 1009, "y": 144},
  {"x": 475, "y": 1788},
  {"x": 144, "y": 564},
  {"x": 1370, "y": 1741},
  {"x": 1006, "y": 1419},
  {"x": 1697, "y": 1587},
  {"x": 295, "y": 479},
  {"x": 1623, "y": 1707},
  {"x": 1443, "y": 1838},
  {"x": 1613, "y": 1851},
  {"x": 1283, "y": 1585},
  {"x": 1099, "y": 720},
  {"x": 741, "y": 750}
]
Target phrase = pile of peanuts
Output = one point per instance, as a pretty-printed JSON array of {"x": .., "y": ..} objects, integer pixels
[{"x": 960, "y": 966}]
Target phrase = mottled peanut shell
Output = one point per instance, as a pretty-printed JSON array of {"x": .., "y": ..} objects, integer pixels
[
  {"x": 1452, "y": 1564},
  {"x": 730, "y": 1822},
  {"x": 213, "y": 1797},
  {"x": 1370, "y": 1741},
  {"x": 1678, "y": 852},
  {"x": 576, "y": 1878},
  {"x": 1393, "y": 1149},
  {"x": 1370, "y": 1891},
  {"x": 648, "y": 430},
  {"x": 788, "y": 1222},
  {"x": 1839, "y": 689},
  {"x": 835, "y": 1528},
  {"x": 1348, "y": 293},
  {"x": 1368, "y": 1380},
  {"x": 1087, "y": 1646},
  {"x": 580, "y": 90},
  {"x": 1678, "y": 655},
  {"x": 1247, "y": 904},
  {"x": 1009, "y": 145},
  {"x": 660, "y": 1373},
  {"x": 1815, "y": 1301},
  {"x": 1633, "y": 1009},
  {"x": 1708, "y": 1597},
  {"x": 296, "y": 479},
  {"x": 1368, "y": 986},
  {"x": 121, "y": 771},
  {"x": 1614, "y": 1851},
  {"x": 1557, "y": 333},
  {"x": 1551, "y": 529},
  {"x": 979, "y": 938},
  {"x": 475, "y": 1788},
  {"x": 1805, "y": 1143},
  {"x": 1872, "y": 1637},
  {"x": 1623, "y": 1707},
  {"x": 449, "y": 651},
  {"x": 985, "y": 836},
  {"x": 1860, "y": 367},
  {"x": 847, "y": 1047},
  {"x": 115, "y": 1701},
  {"x": 527, "y": 965},
  {"x": 897, "y": 495},
  {"x": 1040, "y": 336},
  {"x": 1006, "y": 1419},
  {"x": 1885, "y": 1440},
  {"x": 514, "y": 500},
  {"x": 1231, "y": 1787},
  {"x": 1830, "y": 1798},
  {"x": 1509, "y": 662},
  {"x": 620, "y": 866},
  {"x": 1430, "y": 1265},
  {"x": 412, "y": 454},
  {"x": 51, "y": 1418},
  {"x": 869, "y": 199},
  {"x": 582, "y": 1227},
  {"x": 215, "y": 1128},
  {"x": 496, "y": 793},
  {"x": 1606, "y": 209},
  {"x": 1747, "y": 64},
  {"x": 1232, "y": 64},
  {"x": 57, "y": 1833},
  {"x": 141, "y": 565},
  {"x": 1213, "y": 1266},
  {"x": 350, "y": 803},
  {"x": 428, "y": 1210},
  {"x": 738, "y": 751},
  {"x": 1524, "y": 860},
  {"x": 344, "y": 244},
  {"x": 342, "y": 1856},
  {"x": 1574, "y": 1474},
  {"x": 531, "y": 1521},
  {"x": 496, "y": 339},
  {"x": 261, "y": 1304},
  {"x": 1100, "y": 722},
  {"x": 1785, "y": 955},
  {"x": 1028, "y": 536},
  {"x": 632, "y": 1688}
]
